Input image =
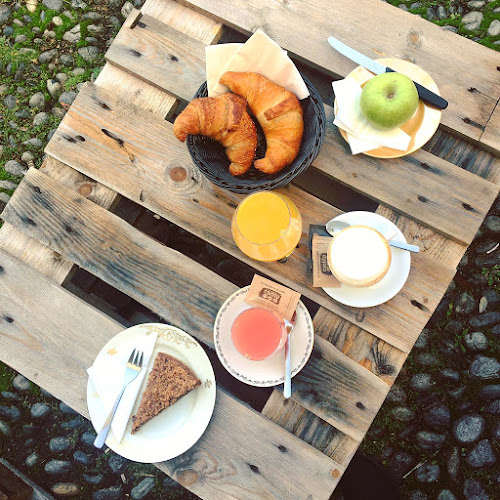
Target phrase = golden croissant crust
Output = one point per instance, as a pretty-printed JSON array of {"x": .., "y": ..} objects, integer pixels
[
  {"x": 279, "y": 113},
  {"x": 225, "y": 119}
]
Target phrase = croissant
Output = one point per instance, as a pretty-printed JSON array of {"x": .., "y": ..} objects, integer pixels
[
  {"x": 279, "y": 113},
  {"x": 225, "y": 119}
]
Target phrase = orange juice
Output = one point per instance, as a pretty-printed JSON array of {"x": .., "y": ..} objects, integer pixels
[
  {"x": 256, "y": 333},
  {"x": 267, "y": 226}
]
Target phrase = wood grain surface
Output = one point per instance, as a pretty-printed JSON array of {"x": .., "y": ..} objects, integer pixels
[
  {"x": 223, "y": 463},
  {"x": 336, "y": 388},
  {"x": 465, "y": 72},
  {"x": 139, "y": 166},
  {"x": 446, "y": 198}
]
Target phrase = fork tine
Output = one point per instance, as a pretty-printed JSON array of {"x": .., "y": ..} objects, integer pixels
[
  {"x": 131, "y": 357},
  {"x": 136, "y": 358},
  {"x": 140, "y": 359}
]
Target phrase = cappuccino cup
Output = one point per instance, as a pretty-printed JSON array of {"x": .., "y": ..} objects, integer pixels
[{"x": 359, "y": 256}]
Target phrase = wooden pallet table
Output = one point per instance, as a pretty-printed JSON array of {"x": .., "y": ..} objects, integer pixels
[{"x": 116, "y": 141}]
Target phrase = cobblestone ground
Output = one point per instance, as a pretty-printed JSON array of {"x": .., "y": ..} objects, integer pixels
[{"x": 438, "y": 432}]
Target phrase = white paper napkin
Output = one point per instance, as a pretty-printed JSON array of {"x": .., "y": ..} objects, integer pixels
[
  {"x": 259, "y": 54},
  {"x": 361, "y": 134},
  {"x": 107, "y": 374}
]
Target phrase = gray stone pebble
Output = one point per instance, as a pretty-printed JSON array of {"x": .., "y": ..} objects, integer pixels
[
  {"x": 465, "y": 304},
  {"x": 474, "y": 491},
  {"x": 468, "y": 428},
  {"x": 54, "y": 87},
  {"x": 59, "y": 444},
  {"x": 47, "y": 56},
  {"x": 32, "y": 459},
  {"x": 61, "y": 77},
  {"x": 492, "y": 298},
  {"x": 35, "y": 142},
  {"x": 496, "y": 330},
  {"x": 495, "y": 430},
  {"x": 4, "y": 14},
  {"x": 428, "y": 473},
  {"x": 430, "y": 441},
  {"x": 71, "y": 424},
  {"x": 143, "y": 488},
  {"x": 430, "y": 14},
  {"x": 23, "y": 113},
  {"x": 40, "y": 410},
  {"x": 4, "y": 198},
  {"x": 20, "y": 39},
  {"x": 57, "y": 467},
  {"x": 439, "y": 416},
  {"x": 92, "y": 40},
  {"x": 494, "y": 28},
  {"x": 114, "y": 4},
  {"x": 40, "y": 119},
  {"x": 422, "y": 341},
  {"x": 88, "y": 438},
  {"x": 403, "y": 414},
  {"x": 441, "y": 12},
  {"x": 5, "y": 428},
  {"x": 481, "y": 455},
  {"x": 427, "y": 359},
  {"x": 418, "y": 495},
  {"x": 67, "y": 409},
  {"x": 67, "y": 98},
  {"x": 82, "y": 458},
  {"x": 95, "y": 28},
  {"x": 78, "y": 71},
  {"x": 10, "y": 102},
  {"x": 65, "y": 490},
  {"x": 126, "y": 9},
  {"x": 10, "y": 413},
  {"x": 396, "y": 394},
  {"x": 37, "y": 100},
  {"x": 446, "y": 495},
  {"x": 472, "y": 20},
  {"x": 476, "y": 4},
  {"x": 485, "y": 368},
  {"x": 113, "y": 493},
  {"x": 54, "y": 4},
  {"x": 492, "y": 224},
  {"x": 421, "y": 382},
  {"x": 401, "y": 462},
  {"x": 8, "y": 395},
  {"x": 486, "y": 319},
  {"x": 58, "y": 112},
  {"x": 488, "y": 260},
  {"x": 27, "y": 156},
  {"x": 93, "y": 480},
  {"x": 493, "y": 408},
  {"x": 72, "y": 36},
  {"x": 88, "y": 54},
  {"x": 490, "y": 391},
  {"x": 66, "y": 59},
  {"x": 78, "y": 4},
  {"x": 117, "y": 464},
  {"x": 476, "y": 341},
  {"x": 450, "y": 375}
]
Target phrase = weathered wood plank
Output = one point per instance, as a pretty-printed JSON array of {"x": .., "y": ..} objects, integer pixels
[
  {"x": 139, "y": 165},
  {"x": 334, "y": 387},
  {"x": 445, "y": 197},
  {"x": 467, "y": 76},
  {"x": 491, "y": 134},
  {"x": 54, "y": 357}
]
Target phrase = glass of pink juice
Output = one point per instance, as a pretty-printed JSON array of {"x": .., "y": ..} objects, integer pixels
[{"x": 257, "y": 333}]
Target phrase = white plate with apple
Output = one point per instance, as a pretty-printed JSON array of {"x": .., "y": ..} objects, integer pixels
[{"x": 424, "y": 122}]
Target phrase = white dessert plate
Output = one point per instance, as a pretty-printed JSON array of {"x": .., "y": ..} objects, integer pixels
[
  {"x": 177, "y": 428},
  {"x": 392, "y": 282},
  {"x": 268, "y": 372}
]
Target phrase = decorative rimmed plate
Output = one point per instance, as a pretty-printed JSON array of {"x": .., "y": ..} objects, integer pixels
[
  {"x": 392, "y": 282},
  {"x": 422, "y": 125},
  {"x": 269, "y": 372},
  {"x": 177, "y": 428}
]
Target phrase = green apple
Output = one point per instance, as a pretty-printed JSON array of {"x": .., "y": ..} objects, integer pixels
[{"x": 388, "y": 100}]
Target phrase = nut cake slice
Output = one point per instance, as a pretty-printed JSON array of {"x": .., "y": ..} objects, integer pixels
[{"x": 168, "y": 381}]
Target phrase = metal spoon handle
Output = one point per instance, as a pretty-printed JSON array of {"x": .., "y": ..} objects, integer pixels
[
  {"x": 287, "y": 387},
  {"x": 404, "y": 246}
]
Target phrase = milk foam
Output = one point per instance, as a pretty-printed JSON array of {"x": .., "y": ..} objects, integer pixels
[{"x": 359, "y": 256}]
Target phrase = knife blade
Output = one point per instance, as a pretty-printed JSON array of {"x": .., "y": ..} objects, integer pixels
[{"x": 425, "y": 94}]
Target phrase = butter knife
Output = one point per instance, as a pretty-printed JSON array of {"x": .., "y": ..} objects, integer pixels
[{"x": 425, "y": 94}]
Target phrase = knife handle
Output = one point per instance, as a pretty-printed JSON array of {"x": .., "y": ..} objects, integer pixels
[{"x": 426, "y": 95}]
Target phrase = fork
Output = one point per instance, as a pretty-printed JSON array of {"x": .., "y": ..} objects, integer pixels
[
  {"x": 287, "y": 385},
  {"x": 132, "y": 369}
]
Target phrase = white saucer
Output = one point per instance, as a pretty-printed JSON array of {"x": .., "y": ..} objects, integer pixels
[
  {"x": 392, "y": 282},
  {"x": 175, "y": 429},
  {"x": 269, "y": 372}
]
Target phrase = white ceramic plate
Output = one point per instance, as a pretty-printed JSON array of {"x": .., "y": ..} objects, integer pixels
[
  {"x": 177, "y": 428},
  {"x": 268, "y": 372},
  {"x": 392, "y": 282}
]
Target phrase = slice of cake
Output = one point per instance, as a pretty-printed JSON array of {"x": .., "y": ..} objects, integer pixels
[{"x": 168, "y": 381}]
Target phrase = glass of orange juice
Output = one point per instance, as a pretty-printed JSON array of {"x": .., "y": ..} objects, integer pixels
[
  {"x": 266, "y": 226},
  {"x": 257, "y": 333}
]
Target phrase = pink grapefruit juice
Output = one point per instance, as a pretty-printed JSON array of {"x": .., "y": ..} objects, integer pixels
[{"x": 256, "y": 333}]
